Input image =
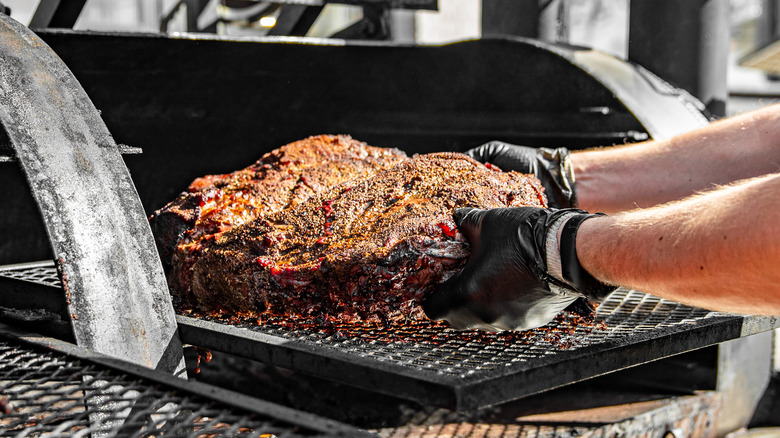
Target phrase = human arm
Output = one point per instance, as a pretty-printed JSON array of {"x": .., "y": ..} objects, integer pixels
[
  {"x": 516, "y": 277},
  {"x": 621, "y": 178},
  {"x": 645, "y": 174},
  {"x": 718, "y": 250}
]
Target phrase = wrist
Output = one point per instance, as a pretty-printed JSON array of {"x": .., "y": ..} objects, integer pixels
[
  {"x": 572, "y": 271},
  {"x": 552, "y": 247},
  {"x": 597, "y": 179}
]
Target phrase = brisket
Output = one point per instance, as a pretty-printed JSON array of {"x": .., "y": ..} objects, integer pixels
[
  {"x": 280, "y": 179},
  {"x": 366, "y": 249}
]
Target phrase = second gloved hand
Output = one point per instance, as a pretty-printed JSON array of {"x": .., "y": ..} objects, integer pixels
[
  {"x": 551, "y": 166},
  {"x": 506, "y": 284}
]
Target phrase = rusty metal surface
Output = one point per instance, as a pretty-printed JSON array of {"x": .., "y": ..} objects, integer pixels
[
  {"x": 116, "y": 290},
  {"x": 690, "y": 417},
  {"x": 670, "y": 417}
]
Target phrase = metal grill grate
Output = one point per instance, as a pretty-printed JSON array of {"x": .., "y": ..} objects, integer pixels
[
  {"x": 427, "y": 362},
  {"x": 51, "y": 393},
  {"x": 432, "y": 346},
  {"x": 480, "y": 430},
  {"x": 430, "y": 363},
  {"x": 42, "y": 273}
]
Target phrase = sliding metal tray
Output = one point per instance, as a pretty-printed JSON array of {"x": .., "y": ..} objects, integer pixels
[
  {"x": 434, "y": 365},
  {"x": 468, "y": 370}
]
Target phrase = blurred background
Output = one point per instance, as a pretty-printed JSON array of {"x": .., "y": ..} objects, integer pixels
[{"x": 599, "y": 24}]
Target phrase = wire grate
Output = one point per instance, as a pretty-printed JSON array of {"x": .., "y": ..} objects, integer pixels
[
  {"x": 481, "y": 430},
  {"x": 48, "y": 393},
  {"x": 431, "y": 363},
  {"x": 42, "y": 273},
  {"x": 429, "y": 345}
]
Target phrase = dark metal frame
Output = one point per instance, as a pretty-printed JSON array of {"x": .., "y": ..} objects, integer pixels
[
  {"x": 296, "y": 421},
  {"x": 295, "y": 20},
  {"x": 686, "y": 43},
  {"x": 57, "y": 14},
  {"x": 194, "y": 9},
  {"x": 471, "y": 388},
  {"x": 116, "y": 290},
  {"x": 440, "y": 367}
]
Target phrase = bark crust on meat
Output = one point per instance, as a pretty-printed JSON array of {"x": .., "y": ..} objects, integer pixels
[
  {"x": 280, "y": 179},
  {"x": 366, "y": 249}
]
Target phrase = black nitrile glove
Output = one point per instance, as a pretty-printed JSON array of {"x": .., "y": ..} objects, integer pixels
[
  {"x": 506, "y": 284},
  {"x": 551, "y": 166}
]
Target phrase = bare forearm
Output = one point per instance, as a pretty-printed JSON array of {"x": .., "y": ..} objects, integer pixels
[
  {"x": 719, "y": 250},
  {"x": 646, "y": 174}
]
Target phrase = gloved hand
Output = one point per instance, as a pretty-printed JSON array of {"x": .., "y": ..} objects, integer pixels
[
  {"x": 506, "y": 284},
  {"x": 551, "y": 166}
]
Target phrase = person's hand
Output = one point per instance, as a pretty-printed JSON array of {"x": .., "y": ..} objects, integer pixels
[
  {"x": 506, "y": 284},
  {"x": 551, "y": 166}
]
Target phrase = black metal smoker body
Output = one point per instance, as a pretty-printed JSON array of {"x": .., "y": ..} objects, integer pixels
[{"x": 198, "y": 105}]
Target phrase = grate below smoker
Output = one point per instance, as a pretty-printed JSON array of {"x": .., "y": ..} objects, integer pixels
[{"x": 46, "y": 391}]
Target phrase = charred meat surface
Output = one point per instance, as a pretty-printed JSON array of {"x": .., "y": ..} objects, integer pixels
[
  {"x": 367, "y": 249},
  {"x": 280, "y": 179}
]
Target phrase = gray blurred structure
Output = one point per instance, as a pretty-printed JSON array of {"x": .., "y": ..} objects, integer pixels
[{"x": 685, "y": 43}]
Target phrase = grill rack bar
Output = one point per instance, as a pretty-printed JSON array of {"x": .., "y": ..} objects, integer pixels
[
  {"x": 400, "y": 368},
  {"x": 59, "y": 389},
  {"x": 460, "y": 370}
]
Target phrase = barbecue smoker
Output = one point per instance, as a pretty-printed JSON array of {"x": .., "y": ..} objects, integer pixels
[{"x": 195, "y": 105}]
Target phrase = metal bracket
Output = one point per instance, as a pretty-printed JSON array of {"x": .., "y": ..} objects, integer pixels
[
  {"x": 57, "y": 13},
  {"x": 663, "y": 111},
  {"x": 373, "y": 25},
  {"x": 744, "y": 371},
  {"x": 295, "y": 20},
  {"x": 193, "y": 7},
  {"x": 116, "y": 290}
]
